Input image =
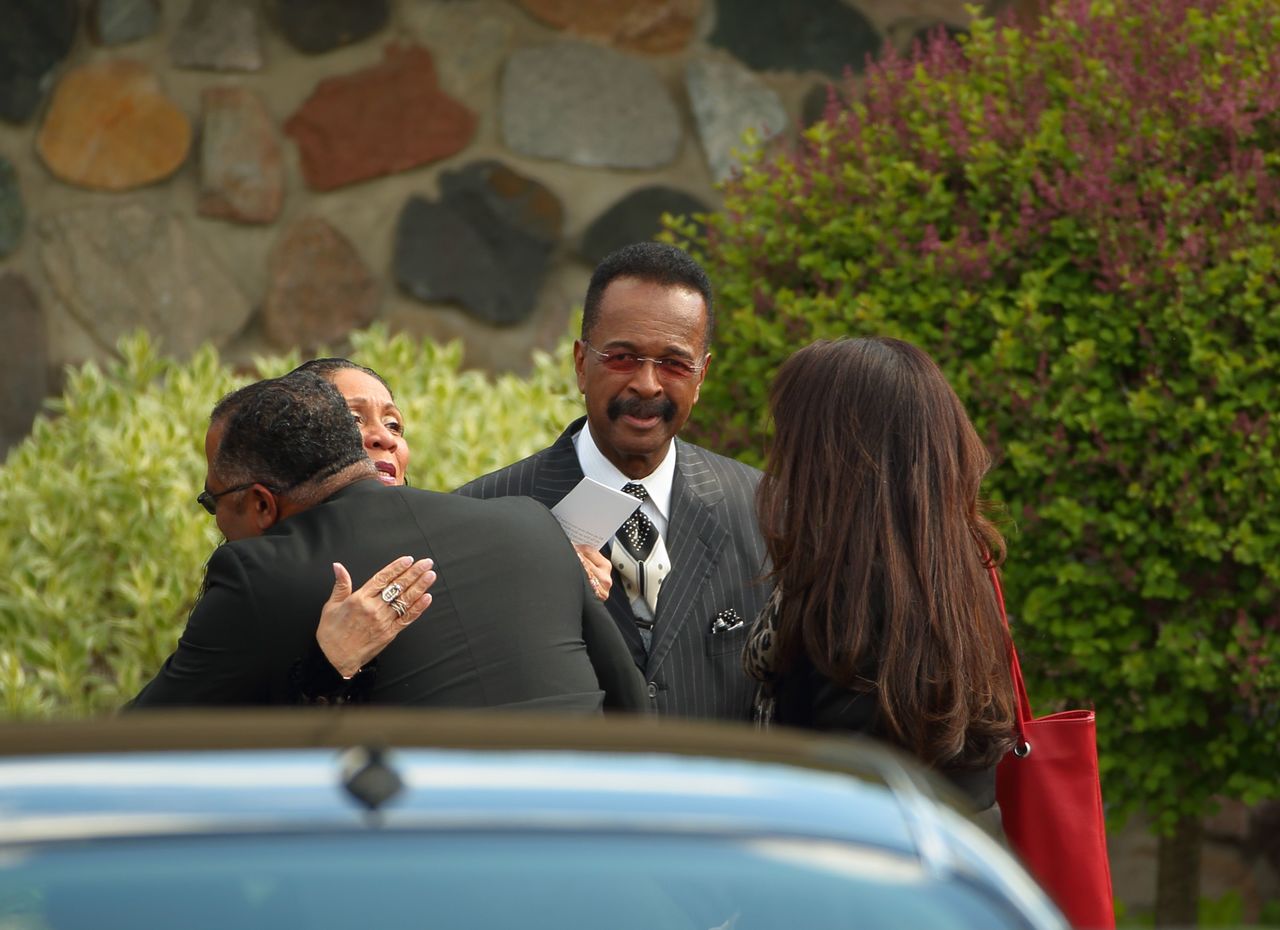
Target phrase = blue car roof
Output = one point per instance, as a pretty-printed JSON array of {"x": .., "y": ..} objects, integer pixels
[
  {"x": 193, "y": 773},
  {"x": 266, "y": 764},
  {"x": 43, "y": 797}
]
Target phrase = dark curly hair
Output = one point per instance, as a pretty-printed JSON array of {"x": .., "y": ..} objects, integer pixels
[
  {"x": 656, "y": 263},
  {"x": 284, "y": 432}
]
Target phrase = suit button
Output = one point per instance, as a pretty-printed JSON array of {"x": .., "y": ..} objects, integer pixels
[{"x": 653, "y": 690}]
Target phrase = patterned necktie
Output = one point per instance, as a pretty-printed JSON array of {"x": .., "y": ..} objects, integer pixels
[{"x": 645, "y": 563}]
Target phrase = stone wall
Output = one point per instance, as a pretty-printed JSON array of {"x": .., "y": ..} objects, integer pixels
[{"x": 264, "y": 174}]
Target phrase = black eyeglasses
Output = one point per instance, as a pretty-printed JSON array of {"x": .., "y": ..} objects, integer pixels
[
  {"x": 209, "y": 501},
  {"x": 627, "y": 363}
]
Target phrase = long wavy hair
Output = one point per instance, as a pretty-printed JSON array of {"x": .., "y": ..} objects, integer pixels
[{"x": 871, "y": 512}]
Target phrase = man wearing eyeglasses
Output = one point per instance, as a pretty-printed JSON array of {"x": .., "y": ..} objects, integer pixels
[
  {"x": 293, "y": 491},
  {"x": 686, "y": 568}
]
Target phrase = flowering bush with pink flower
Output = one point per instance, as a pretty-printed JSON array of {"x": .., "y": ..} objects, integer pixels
[{"x": 1081, "y": 222}]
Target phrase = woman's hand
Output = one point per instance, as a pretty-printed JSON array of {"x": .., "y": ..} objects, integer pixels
[
  {"x": 356, "y": 626},
  {"x": 599, "y": 571}
]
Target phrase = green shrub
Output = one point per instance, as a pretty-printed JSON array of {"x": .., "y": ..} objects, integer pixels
[
  {"x": 1082, "y": 224},
  {"x": 103, "y": 543}
]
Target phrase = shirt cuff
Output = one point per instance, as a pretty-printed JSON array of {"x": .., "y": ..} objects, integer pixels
[{"x": 314, "y": 680}]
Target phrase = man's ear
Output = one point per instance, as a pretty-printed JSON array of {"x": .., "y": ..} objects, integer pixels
[
  {"x": 580, "y": 365},
  {"x": 264, "y": 507}
]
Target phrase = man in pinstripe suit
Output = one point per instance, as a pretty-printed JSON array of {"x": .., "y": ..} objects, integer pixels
[{"x": 646, "y": 329}]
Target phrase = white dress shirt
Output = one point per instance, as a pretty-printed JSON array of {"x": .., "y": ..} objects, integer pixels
[{"x": 658, "y": 483}]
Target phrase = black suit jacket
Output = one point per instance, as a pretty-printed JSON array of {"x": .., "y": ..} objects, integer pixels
[
  {"x": 508, "y": 625},
  {"x": 717, "y": 559}
]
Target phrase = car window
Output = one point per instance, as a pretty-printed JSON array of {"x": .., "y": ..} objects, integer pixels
[{"x": 476, "y": 879}]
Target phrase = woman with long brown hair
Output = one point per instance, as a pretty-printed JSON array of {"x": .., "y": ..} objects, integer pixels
[{"x": 883, "y": 619}]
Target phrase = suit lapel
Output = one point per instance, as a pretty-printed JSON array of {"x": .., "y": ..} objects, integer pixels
[
  {"x": 695, "y": 537},
  {"x": 557, "y": 471}
]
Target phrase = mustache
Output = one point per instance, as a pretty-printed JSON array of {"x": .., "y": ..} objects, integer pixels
[{"x": 641, "y": 408}]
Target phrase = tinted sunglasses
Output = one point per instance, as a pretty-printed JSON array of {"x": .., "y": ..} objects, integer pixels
[
  {"x": 209, "y": 501},
  {"x": 628, "y": 363}
]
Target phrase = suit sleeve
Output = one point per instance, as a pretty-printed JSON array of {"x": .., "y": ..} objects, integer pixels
[
  {"x": 623, "y": 683},
  {"x": 220, "y": 657}
]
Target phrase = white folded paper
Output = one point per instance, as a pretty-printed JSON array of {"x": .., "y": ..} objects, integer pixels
[{"x": 592, "y": 512}]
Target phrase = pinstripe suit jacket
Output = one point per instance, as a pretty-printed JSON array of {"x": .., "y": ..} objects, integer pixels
[{"x": 717, "y": 557}]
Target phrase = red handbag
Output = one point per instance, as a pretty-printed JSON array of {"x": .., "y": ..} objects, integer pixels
[{"x": 1050, "y": 801}]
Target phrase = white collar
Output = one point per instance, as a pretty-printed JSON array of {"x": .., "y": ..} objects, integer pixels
[{"x": 658, "y": 482}]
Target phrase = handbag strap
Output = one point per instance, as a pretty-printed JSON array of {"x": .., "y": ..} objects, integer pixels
[{"x": 1019, "y": 687}]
